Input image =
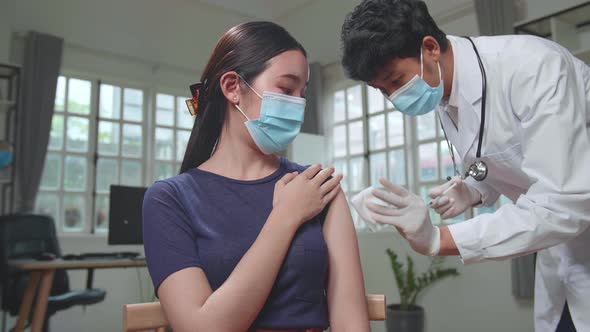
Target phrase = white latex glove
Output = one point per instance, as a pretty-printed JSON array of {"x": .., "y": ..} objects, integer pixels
[
  {"x": 453, "y": 198},
  {"x": 358, "y": 202},
  {"x": 409, "y": 214}
]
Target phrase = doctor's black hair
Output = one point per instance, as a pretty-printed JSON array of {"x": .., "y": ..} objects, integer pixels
[
  {"x": 377, "y": 31},
  {"x": 246, "y": 49}
]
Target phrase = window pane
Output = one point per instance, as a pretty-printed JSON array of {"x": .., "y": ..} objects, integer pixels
[
  {"x": 356, "y": 135},
  {"x": 341, "y": 166},
  {"x": 107, "y": 173},
  {"x": 108, "y": 138},
  {"x": 101, "y": 213},
  {"x": 51, "y": 172},
  {"x": 131, "y": 173},
  {"x": 75, "y": 173},
  {"x": 340, "y": 141},
  {"x": 132, "y": 140},
  {"x": 60, "y": 94},
  {"x": 162, "y": 171},
  {"x": 183, "y": 116},
  {"x": 164, "y": 110},
  {"x": 48, "y": 204},
  {"x": 56, "y": 136},
  {"x": 397, "y": 167},
  {"x": 377, "y": 132},
  {"x": 339, "y": 107},
  {"x": 484, "y": 210},
  {"x": 182, "y": 137},
  {"x": 503, "y": 200},
  {"x": 79, "y": 96},
  {"x": 378, "y": 166},
  {"x": 376, "y": 100},
  {"x": 74, "y": 212},
  {"x": 133, "y": 105},
  {"x": 357, "y": 174},
  {"x": 77, "y": 134},
  {"x": 428, "y": 162},
  {"x": 426, "y": 126},
  {"x": 446, "y": 161},
  {"x": 164, "y": 143},
  {"x": 355, "y": 102},
  {"x": 110, "y": 102},
  {"x": 434, "y": 217},
  {"x": 395, "y": 125}
]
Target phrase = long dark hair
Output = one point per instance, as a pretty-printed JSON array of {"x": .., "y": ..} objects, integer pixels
[{"x": 246, "y": 49}]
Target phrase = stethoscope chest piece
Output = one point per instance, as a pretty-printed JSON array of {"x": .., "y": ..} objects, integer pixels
[{"x": 478, "y": 170}]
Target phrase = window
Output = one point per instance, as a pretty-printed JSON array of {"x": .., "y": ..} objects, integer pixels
[
  {"x": 90, "y": 148},
  {"x": 370, "y": 139},
  {"x": 120, "y": 145},
  {"x": 434, "y": 160},
  {"x": 65, "y": 190},
  {"x": 99, "y": 137},
  {"x": 171, "y": 134}
]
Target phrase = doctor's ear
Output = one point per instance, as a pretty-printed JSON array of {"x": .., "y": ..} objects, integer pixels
[
  {"x": 430, "y": 47},
  {"x": 230, "y": 86}
]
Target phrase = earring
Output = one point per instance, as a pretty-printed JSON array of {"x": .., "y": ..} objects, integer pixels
[{"x": 235, "y": 98}]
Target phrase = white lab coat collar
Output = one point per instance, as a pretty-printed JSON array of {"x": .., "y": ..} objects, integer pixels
[{"x": 467, "y": 99}]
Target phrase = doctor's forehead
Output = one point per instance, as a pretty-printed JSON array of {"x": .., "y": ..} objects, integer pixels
[{"x": 385, "y": 72}]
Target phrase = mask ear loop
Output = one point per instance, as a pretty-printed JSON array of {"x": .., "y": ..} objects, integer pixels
[
  {"x": 422, "y": 68},
  {"x": 244, "y": 114},
  {"x": 421, "y": 65},
  {"x": 251, "y": 88}
]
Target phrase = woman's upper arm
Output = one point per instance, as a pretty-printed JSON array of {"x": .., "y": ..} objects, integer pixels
[
  {"x": 172, "y": 256},
  {"x": 182, "y": 294},
  {"x": 346, "y": 291}
]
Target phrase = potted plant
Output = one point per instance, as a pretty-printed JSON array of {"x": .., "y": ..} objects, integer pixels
[{"x": 407, "y": 316}]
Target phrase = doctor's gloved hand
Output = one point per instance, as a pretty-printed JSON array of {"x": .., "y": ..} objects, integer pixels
[
  {"x": 409, "y": 214},
  {"x": 453, "y": 198}
]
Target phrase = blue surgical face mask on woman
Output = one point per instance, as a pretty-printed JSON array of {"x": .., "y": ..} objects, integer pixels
[
  {"x": 417, "y": 97},
  {"x": 281, "y": 117}
]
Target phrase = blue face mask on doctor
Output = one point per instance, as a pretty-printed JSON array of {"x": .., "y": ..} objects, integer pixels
[
  {"x": 279, "y": 123},
  {"x": 416, "y": 97}
]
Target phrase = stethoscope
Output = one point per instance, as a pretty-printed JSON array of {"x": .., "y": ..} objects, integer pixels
[{"x": 478, "y": 170}]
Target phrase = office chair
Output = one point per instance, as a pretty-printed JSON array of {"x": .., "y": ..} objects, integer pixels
[{"x": 27, "y": 236}]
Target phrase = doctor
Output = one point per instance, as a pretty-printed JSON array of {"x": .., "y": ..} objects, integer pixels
[{"x": 516, "y": 109}]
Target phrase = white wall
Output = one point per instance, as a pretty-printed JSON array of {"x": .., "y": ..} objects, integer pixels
[
  {"x": 479, "y": 299},
  {"x": 5, "y": 25},
  {"x": 179, "y": 33},
  {"x": 538, "y": 8}
]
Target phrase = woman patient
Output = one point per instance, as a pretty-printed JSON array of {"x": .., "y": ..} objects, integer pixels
[{"x": 243, "y": 240}]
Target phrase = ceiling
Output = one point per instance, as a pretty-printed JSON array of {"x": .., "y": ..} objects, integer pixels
[{"x": 261, "y": 9}]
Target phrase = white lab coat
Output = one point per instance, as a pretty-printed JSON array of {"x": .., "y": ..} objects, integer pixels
[{"x": 537, "y": 147}]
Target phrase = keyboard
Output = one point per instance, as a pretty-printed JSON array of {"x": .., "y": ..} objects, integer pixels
[{"x": 102, "y": 255}]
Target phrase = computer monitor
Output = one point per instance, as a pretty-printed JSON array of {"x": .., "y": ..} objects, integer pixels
[{"x": 125, "y": 222}]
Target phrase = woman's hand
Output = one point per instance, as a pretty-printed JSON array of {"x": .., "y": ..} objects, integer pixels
[{"x": 305, "y": 195}]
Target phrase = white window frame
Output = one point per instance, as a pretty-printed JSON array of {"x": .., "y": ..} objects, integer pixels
[
  {"x": 91, "y": 156},
  {"x": 179, "y": 106}
]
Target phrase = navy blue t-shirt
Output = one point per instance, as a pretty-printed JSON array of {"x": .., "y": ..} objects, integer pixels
[{"x": 205, "y": 220}]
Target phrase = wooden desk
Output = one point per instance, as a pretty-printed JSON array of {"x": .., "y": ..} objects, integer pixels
[{"x": 42, "y": 273}]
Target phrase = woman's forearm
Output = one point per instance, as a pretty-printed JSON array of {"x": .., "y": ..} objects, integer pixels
[{"x": 236, "y": 304}]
